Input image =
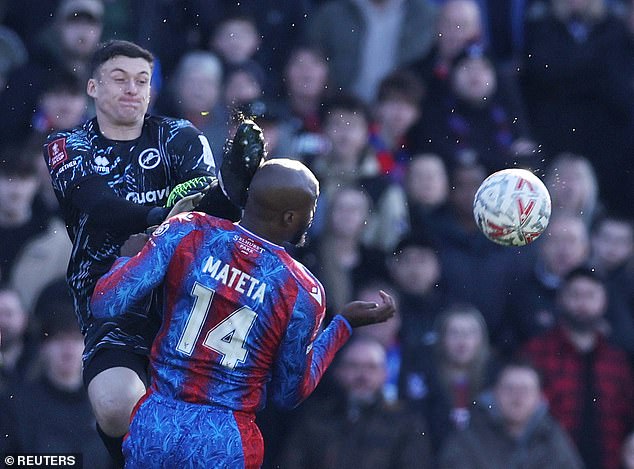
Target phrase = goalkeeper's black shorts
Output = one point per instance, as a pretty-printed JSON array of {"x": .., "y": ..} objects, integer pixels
[{"x": 130, "y": 335}]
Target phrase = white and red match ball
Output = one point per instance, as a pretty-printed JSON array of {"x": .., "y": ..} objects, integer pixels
[{"x": 512, "y": 207}]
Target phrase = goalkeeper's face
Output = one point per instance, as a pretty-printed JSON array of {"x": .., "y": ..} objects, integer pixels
[{"x": 121, "y": 90}]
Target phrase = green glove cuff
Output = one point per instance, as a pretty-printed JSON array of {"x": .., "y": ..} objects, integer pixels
[{"x": 186, "y": 188}]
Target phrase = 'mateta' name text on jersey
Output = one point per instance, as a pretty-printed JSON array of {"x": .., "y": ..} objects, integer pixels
[{"x": 235, "y": 278}]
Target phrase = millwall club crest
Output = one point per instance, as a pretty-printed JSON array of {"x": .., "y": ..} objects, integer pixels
[{"x": 150, "y": 158}]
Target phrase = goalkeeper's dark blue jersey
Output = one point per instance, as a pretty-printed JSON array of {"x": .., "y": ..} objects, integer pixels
[
  {"x": 238, "y": 313},
  {"x": 142, "y": 171}
]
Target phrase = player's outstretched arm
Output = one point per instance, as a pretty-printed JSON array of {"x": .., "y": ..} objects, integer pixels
[
  {"x": 363, "y": 313},
  {"x": 241, "y": 159},
  {"x": 185, "y": 204},
  {"x": 131, "y": 279},
  {"x": 302, "y": 363}
]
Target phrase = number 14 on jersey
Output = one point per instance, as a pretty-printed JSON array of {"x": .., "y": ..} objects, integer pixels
[{"x": 226, "y": 338}]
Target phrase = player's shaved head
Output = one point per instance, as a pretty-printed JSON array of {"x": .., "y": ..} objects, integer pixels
[
  {"x": 282, "y": 184},
  {"x": 281, "y": 200}
]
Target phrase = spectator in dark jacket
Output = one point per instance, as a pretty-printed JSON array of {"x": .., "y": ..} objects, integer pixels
[
  {"x": 358, "y": 428},
  {"x": 52, "y": 414},
  {"x": 512, "y": 428},
  {"x": 573, "y": 84}
]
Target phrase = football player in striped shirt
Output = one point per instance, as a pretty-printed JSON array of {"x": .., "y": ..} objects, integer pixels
[{"x": 240, "y": 318}]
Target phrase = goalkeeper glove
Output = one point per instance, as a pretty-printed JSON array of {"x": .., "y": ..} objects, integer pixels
[
  {"x": 190, "y": 187},
  {"x": 242, "y": 157}
]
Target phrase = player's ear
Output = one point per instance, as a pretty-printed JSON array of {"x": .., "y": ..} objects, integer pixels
[
  {"x": 288, "y": 217},
  {"x": 91, "y": 87}
]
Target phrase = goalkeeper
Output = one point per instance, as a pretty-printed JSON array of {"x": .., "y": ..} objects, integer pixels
[{"x": 119, "y": 174}]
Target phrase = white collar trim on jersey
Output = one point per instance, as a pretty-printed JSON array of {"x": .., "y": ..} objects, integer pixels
[{"x": 265, "y": 241}]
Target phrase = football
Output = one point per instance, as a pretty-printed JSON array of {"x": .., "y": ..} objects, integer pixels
[{"x": 512, "y": 207}]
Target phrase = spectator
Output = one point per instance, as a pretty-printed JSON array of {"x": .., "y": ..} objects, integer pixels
[
  {"x": 426, "y": 191},
  {"x": 18, "y": 347},
  {"x": 244, "y": 83},
  {"x": 62, "y": 105},
  {"x": 531, "y": 306},
  {"x": 13, "y": 54},
  {"x": 459, "y": 23},
  {"x": 350, "y": 160},
  {"x": 457, "y": 371},
  {"x": 474, "y": 116},
  {"x": 272, "y": 124},
  {"x": 236, "y": 40},
  {"x": 62, "y": 421},
  {"x": 66, "y": 45},
  {"x": 587, "y": 381},
  {"x": 504, "y": 29},
  {"x": 572, "y": 183},
  {"x": 337, "y": 255},
  {"x": 18, "y": 184},
  {"x": 387, "y": 333},
  {"x": 195, "y": 93},
  {"x": 513, "y": 429},
  {"x": 415, "y": 271},
  {"x": 612, "y": 242},
  {"x": 280, "y": 24},
  {"x": 367, "y": 40},
  {"x": 573, "y": 85},
  {"x": 357, "y": 428},
  {"x": 395, "y": 111},
  {"x": 34, "y": 244},
  {"x": 306, "y": 76}
]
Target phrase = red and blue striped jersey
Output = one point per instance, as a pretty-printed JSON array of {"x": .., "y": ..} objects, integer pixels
[{"x": 240, "y": 315}]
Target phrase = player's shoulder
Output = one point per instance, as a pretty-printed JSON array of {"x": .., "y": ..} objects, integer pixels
[
  {"x": 305, "y": 279},
  {"x": 181, "y": 224},
  {"x": 173, "y": 125},
  {"x": 210, "y": 221},
  {"x": 80, "y": 133},
  {"x": 200, "y": 220}
]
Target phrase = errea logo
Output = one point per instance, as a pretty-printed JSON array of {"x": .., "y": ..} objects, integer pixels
[
  {"x": 149, "y": 158},
  {"x": 101, "y": 164}
]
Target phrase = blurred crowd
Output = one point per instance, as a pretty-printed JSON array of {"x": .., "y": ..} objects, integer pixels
[{"x": 499, "y": 357}]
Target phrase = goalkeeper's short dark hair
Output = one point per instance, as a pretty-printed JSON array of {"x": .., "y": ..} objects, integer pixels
[{"x": 107, "y": 50}]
